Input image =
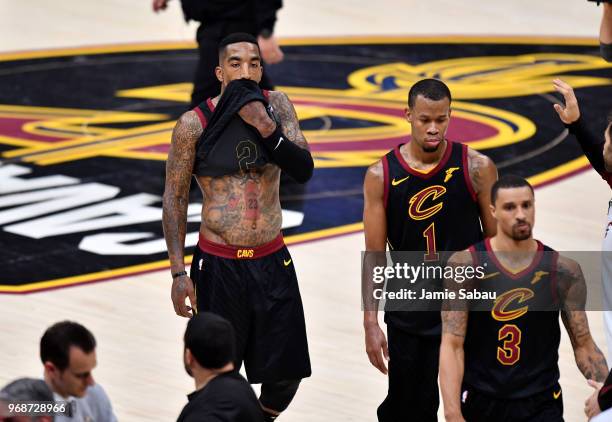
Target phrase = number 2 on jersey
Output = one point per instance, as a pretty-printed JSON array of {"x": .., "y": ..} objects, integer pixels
[
  {"x": 510, "y": 352},
  {"x": 430, "y": 237}
]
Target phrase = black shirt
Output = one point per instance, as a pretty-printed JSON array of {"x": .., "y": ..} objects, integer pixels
[
  {"x": 260, "y": 13},
  {"x": 226, "y": 398},
  {"x": 592, "y": 147}
]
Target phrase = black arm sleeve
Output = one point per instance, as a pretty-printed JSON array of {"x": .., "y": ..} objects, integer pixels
[
  {"x": 591, "y": 145},
  {"x": 605, "y": 394},
  {"x": 292, "y": 159},
  {"x": 606, "y": 51}
]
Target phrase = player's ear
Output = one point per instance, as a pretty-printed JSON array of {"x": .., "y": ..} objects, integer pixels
[
  {"x": 407, "y": 113},
  {"x": 219, "y": 73},
  {"x": 492, "y": 209}
]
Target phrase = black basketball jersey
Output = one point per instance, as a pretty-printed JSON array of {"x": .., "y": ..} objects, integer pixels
[
  {"x": 429, "y": 212},
  {"x": 511, "y": 351},
  {"x": 238, "y": 149}
]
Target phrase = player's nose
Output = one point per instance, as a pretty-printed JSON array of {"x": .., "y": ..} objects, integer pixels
[{"x": 244, "y": 72}]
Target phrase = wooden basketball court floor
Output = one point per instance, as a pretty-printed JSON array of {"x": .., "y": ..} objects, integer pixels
[{"x": 139, "y": 336}]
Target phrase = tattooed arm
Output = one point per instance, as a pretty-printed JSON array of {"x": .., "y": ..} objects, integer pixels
[
  {"x": 285, "y": 111},
  {"x": 287, "y": 144},
  {"x": 454, "y": 328},
  {"x": 572, "y": 290},
  {"x": 179, "y": 167},
  {"x": 483, "y": 174}
]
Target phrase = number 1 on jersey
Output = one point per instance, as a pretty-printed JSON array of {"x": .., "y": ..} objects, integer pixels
[{"x": 430, "y": 237}]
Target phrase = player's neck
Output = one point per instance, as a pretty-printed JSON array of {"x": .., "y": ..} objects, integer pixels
[
  {"x": 203, "y": 376},
  {"x": 417, "y": 154},
  {"x": 501, "y": 242}
]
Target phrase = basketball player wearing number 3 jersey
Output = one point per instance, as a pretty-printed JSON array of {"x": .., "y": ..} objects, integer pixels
[
  {"x": 427, "y": 195},
  {"x": 500, "y": 363}
]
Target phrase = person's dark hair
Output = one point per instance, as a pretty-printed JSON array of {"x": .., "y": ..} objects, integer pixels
[
  {"x": 56, "y": 342},
  {"x": 27, "y": 389},
  {"x": 432, "y": 89},
  {"x": 235, "y": 38},
  {"x": 210, "y": 338},
  {"x": 610, "y": 124},
  {"x": 508, "y": 181}
]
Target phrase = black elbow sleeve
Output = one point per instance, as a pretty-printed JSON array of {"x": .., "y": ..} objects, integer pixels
[{"x": 291, "y": 158}]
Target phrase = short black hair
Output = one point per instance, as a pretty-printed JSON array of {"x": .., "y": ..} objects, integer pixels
[
  {"x": 56, "y": 342},
  {"x": 210, "y": 338},
  {"x": 234, "y": 38},
  {"x": 508, "y": 181},
  {"x": 432, "y": 89},
  {"x": 27, "y": 389}
]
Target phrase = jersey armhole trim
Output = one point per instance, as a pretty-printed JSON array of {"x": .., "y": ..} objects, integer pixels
[
  {"x": 200, "y": 116},
  {"x": 385, "y": 165},
  {"x": 466, "y": 172},
  {"x": 475, "y": 260}
]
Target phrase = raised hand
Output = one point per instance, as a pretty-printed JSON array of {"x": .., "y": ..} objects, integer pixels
[{"x": 571, "y": 112}]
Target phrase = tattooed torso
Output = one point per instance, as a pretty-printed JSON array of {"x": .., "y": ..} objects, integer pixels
[{"x": 242, "y": 209}]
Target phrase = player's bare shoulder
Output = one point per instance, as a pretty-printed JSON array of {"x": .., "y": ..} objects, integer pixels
[
  {"x": 482, "y": 170},
  {"x": 375, "y": 174},
  {"x": 460, "y": 258},
  {"x": 188, "y": 129}
]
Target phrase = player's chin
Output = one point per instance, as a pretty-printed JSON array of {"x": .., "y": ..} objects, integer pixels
[
  {"x": 430, "y": 146},
  {"x": 521, "y": 232}
]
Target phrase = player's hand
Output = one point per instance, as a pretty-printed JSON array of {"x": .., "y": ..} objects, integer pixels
[
  {"x": 571, "y": 112},
  {"x": 182, "y": 288},
  {"x": 254, "y": 113},
  {"x": 270, "y": 51},
  {"x": 376, "y": 347},
  {"x": 591, "y": 405},
  {"x": 159, "y": 5}
]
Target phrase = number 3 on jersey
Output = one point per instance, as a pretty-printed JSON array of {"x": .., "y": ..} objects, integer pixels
[{"x": 510, "y": 352}]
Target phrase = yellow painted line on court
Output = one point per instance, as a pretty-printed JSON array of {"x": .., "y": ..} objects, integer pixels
[
  {"x": 439, "y": 39},
  {"x": 296, "y": 41},
  {"x": 159, "y": 265},
  {"x": 97, "y": 49},
  {"x": 559, "y": 171}
]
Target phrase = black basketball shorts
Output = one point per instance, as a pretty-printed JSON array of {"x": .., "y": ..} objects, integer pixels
[
  {"x": 256, "y": 289},
  {"x": 546, "y": 406}
]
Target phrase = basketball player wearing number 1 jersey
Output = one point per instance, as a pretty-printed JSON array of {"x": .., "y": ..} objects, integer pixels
[{"x": 426, "y": 195}]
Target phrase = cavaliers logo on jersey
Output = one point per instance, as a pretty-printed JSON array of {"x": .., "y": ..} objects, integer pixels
[
  {"x": 511, "y": 304},
  {"x": 424, "y": 204}
]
